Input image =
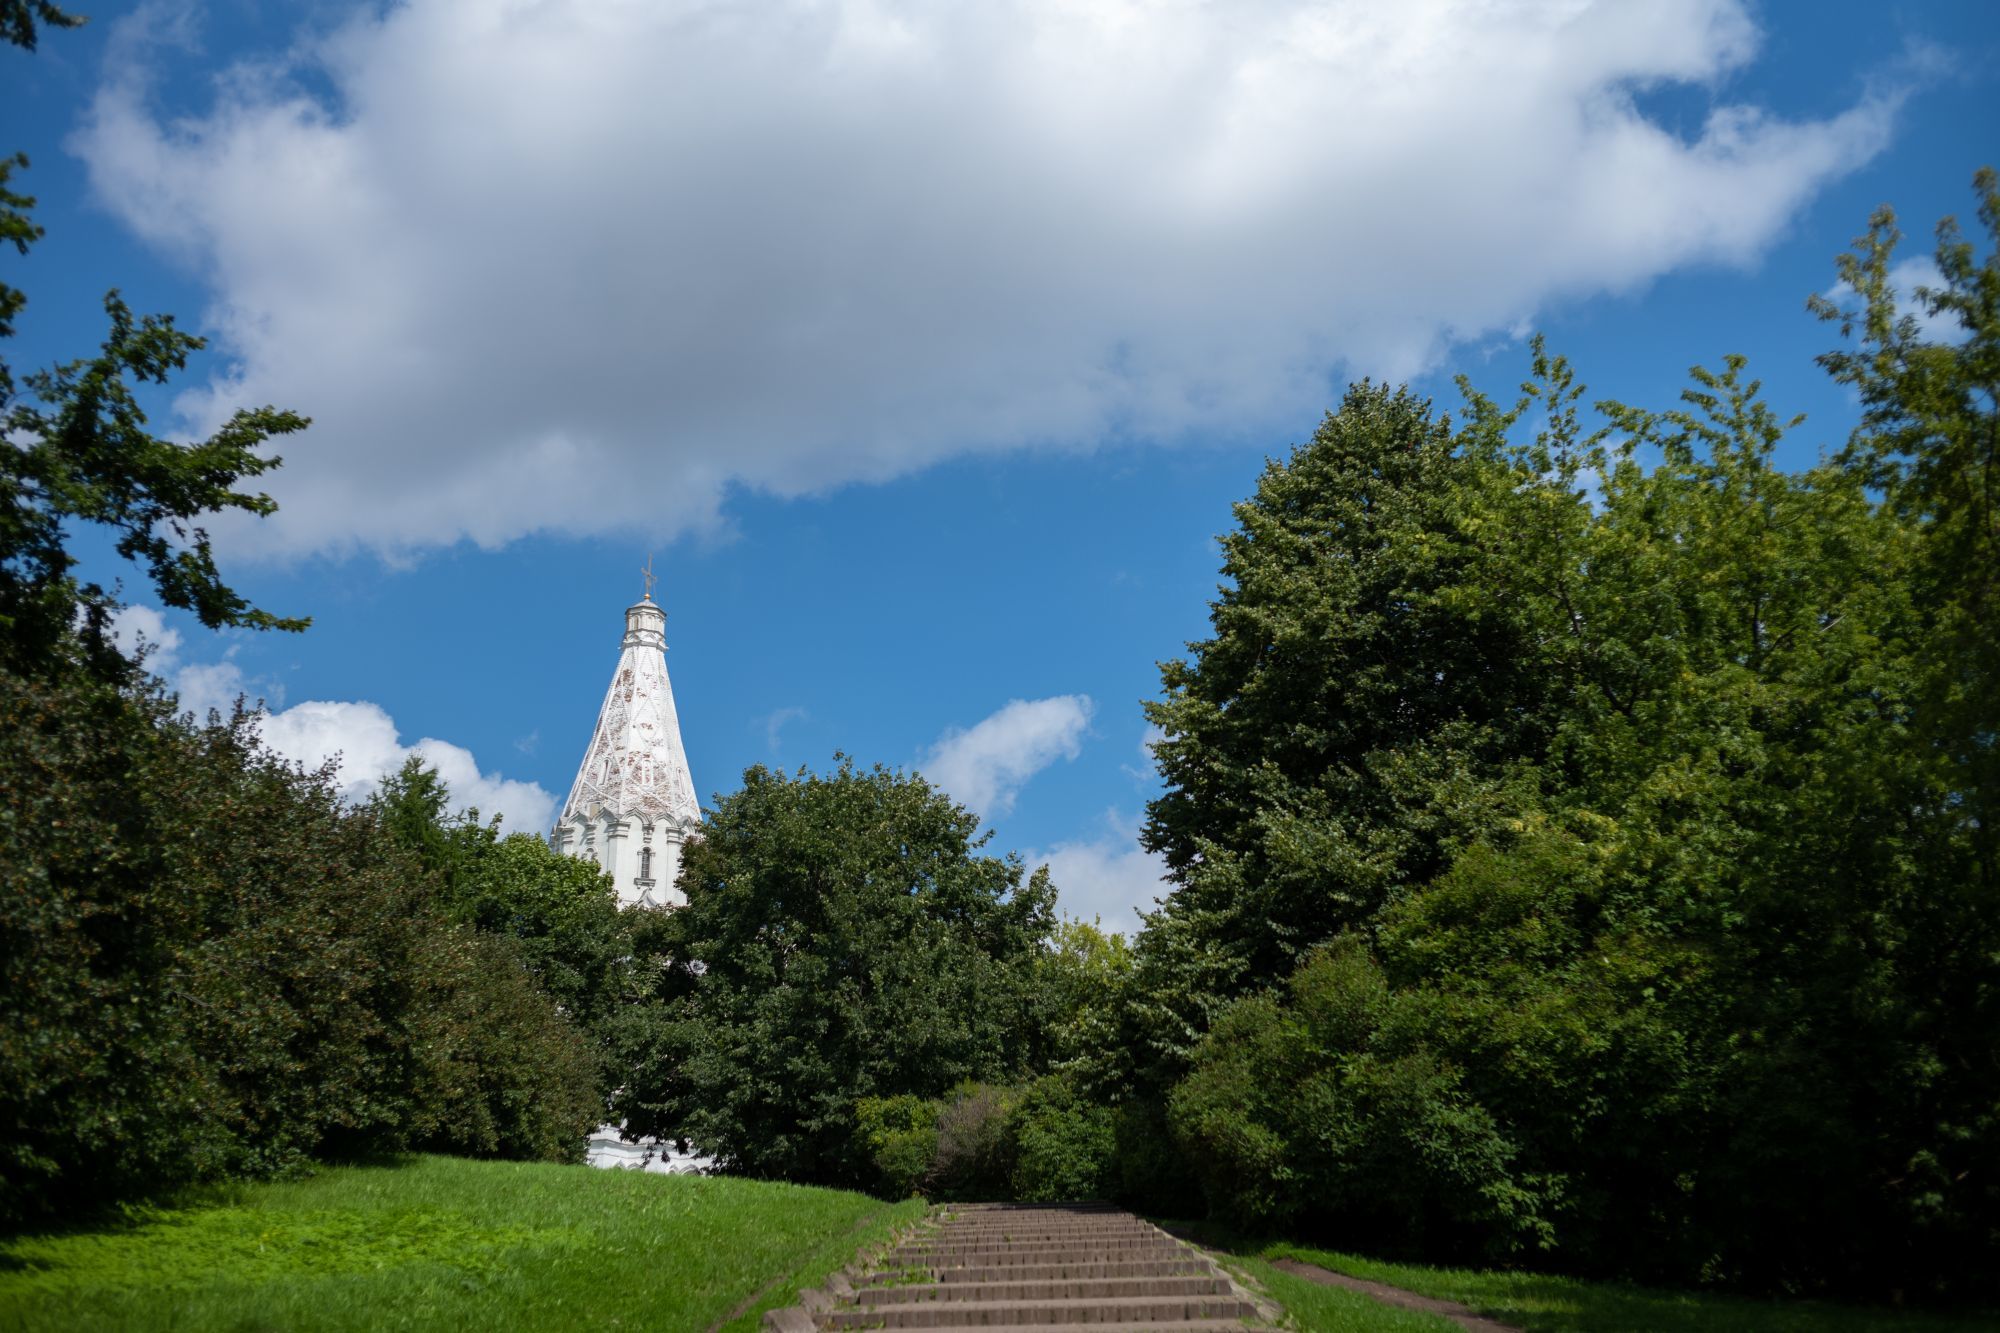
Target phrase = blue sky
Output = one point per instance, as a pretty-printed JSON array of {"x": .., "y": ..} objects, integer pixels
[{"x": 927, "y": 352}]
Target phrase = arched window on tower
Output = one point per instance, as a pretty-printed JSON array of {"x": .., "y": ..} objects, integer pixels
[{"x": 646, "y": 863}]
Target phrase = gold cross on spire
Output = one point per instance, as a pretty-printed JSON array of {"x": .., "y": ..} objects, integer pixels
[{"x": 649, "y": 576}]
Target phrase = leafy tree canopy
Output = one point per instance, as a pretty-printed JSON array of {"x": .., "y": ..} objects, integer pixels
[
  {"x": 82, "y": 452},
  {"x": 844, "y": 938},
  {"x": 559, "y": 911},
  {"x": 1083, "y": 972},
  {"x": 18, "y": 20},
  {"x": 1649, "y": 786}
]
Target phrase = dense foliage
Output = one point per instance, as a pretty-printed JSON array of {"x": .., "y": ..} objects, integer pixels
[
  {"x": 844, "y": 938},
  {"x": 1583, "y": 839},
  {"x": 1620, "y": 807},
  {"x": 1042, "y": 1141},
  {"x": 79, "y": 452},
  {"x": 557, "y": 913},
  {"x": 210, "y": 968}
]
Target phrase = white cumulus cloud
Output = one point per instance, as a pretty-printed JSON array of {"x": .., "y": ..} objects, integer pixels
[
  {"x": 1108, "y": 877},
  {"x": 512, "y": 255},
  {"x": 985, "y": 765},
  {"x": 361, "y": 735},
  {"x": 369, "y": 746},
  {"x": 143, "y": 631}
]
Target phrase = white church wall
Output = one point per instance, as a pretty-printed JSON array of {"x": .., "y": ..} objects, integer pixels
[
  {"x": 619, "y": 848},
  {"x": 631, "y": 810}
]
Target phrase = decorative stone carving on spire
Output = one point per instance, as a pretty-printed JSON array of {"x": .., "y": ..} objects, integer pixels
[
  {"x": 633, "y": 803},
  {"x": 631, "y": 810}
]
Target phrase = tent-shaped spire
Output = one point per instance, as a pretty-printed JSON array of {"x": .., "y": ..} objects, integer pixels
[{"x": 634, "y": 788}]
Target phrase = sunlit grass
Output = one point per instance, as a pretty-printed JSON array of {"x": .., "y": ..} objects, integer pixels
[{"x": 440, "y": 1243}]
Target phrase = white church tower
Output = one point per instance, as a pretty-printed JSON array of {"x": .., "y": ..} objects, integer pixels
[
  {"x": 631, "y": 810},
  {"x": 633, "y": 805}
]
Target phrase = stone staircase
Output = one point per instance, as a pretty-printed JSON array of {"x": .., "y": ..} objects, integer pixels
[{"x": 1042, "y": 1267}]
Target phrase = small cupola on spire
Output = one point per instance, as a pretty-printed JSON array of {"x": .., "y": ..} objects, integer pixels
[{"x": 633, "y": 804}]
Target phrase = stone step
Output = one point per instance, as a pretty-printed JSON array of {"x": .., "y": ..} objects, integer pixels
[
  {"x": 1188, "y": 1266},
  {"x": 1026, "y": 1237},
  {"x": 948, "y": 1263},
  {"x": 1053, "y": 1289},
  {"x": 957, "y": 1210},
  {"x": 1172, "y": 1326},
  {"x": 1012, "y": 1268},
  {"x": 947, "y": 1242},
  {"x": 1042, "y": 1233},
  {"x": 1168, "y": 1310},
  {"x": 1057, "y": 1218},
  {"x": 954, "y": 1255},
  {"x": 1042, "y": 1220},
  {"x": 1020, "y": 1237},
  {"x": 1053, "y": 1223},
  {"x": 1097, "y": 1241}
]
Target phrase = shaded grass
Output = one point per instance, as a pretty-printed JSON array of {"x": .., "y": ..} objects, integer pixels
[
  {"x": 1545, "y": 1303},
  {"x": 443, "y": 1243},
  {"x": 1312, "y": 1308}
]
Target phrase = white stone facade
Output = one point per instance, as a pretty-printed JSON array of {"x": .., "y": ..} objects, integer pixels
[
  {"x": 608, "y": 1148},
  {"x": 633, "y": 805},
  {"x": 631, "y": 810}
]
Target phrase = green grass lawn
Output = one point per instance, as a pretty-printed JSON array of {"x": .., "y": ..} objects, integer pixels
[
  {"x": 1541, "y": 1303},
  {"x": 442, "y": 1243},
  {"x": 1316, "y": 1309}
]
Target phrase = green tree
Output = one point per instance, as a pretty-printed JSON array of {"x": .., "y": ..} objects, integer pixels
[
  {"x": 81, "y": 453},
  {"x": 559, "y": 911},
  {"x": 1683, "y": 891},
  {"x": 1310, "y": 1108},
  {"x": 19, "y": 17},
  {"x": 1082, "y": 974},
  {"x": 209, "y": 967},
  {"x": 1065, "y": 1144},
  {"x": 1368, "y": 678},
  {"x": 844, "y": 938},
  {"x": 1929, "y": 442}
]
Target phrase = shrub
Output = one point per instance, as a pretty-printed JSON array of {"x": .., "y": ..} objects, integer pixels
[
  {"x": 1044, "y": 1142},
  {"x": 975, "y": 1143},
  {"x": 901, "y": 1136},
  {"x": 212, "y": 969},
  {"x": 97, "y": 1088},
  {"x": 498, "y": 1071},
  {"x": 298, "y": 963},
  {"x": 1064, "y": 1144},
  {"x": 1313, "y": 1109},
  {"x": 1149, "y": 1171}
]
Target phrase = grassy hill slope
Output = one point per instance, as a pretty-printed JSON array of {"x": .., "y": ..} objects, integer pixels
[{"x": 443, "y": 1243}]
